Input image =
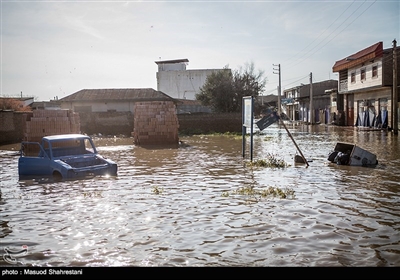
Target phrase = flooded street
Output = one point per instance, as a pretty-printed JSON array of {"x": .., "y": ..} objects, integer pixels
[{"x": 181, "y": 206}]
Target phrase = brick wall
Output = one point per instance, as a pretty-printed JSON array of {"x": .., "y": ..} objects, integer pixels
[
  {"x": 50, "y": 122},
  {"x": 155, "y": 122}
]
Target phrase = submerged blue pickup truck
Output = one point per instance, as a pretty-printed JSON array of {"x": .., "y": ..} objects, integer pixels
[{"x": 63, "y": 157}]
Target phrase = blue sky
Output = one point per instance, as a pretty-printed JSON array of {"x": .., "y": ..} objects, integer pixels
[{"x": 55, "y": 48}]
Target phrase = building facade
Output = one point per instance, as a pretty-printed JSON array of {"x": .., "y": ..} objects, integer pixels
[
  {"x": 175, "y": 80},
  {"x": 366, "y": 84},
  {"x": 297, "y": 102}
]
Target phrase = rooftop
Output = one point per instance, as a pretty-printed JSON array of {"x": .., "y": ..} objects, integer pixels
[
  {"x": 131, "y": 94},
  {"x": 172, "y": 61},
  {"x": 376, "y": 50}
]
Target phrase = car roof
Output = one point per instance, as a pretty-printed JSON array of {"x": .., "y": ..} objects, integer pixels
[{"x": 66, "y": 137}]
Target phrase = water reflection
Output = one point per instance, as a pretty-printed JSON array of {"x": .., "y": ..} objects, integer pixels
[{"x": 340, "y": 216}]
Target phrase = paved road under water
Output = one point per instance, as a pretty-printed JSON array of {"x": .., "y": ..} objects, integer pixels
[{"x": 181, "y": 206}]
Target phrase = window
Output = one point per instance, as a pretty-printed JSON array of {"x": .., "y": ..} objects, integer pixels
[
  {"x": 362, "y": 74},
  {"x": 374, "y": 71},
  {"x": 353, "y": 77}
]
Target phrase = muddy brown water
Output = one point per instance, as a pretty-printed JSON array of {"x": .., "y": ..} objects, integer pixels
[{"x": 181, "y": 206}]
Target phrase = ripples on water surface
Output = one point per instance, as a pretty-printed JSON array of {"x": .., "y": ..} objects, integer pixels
[{"x": 167, "y": 208}]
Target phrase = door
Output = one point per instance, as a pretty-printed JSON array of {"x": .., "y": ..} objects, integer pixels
[{"x": 350, "y": 110}]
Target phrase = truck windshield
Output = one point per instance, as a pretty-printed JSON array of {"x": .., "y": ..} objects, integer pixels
[{"x": 88, "y": 146}]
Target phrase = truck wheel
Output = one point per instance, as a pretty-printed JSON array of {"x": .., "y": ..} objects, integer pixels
[{"x": 57, "y": 176}]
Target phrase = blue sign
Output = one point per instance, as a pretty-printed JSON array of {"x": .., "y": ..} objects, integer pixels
[{"x": 267, "y": 120}]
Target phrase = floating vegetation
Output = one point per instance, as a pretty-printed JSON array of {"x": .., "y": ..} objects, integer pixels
[
  {"x": 270, "y": 161},
  {"x": 232, "y": 133},
  {"x": 197, "y": 131},
  {"x": 228, "y": 133},
  {"x": 268, "y": 138},
  {"x": 157, "y": 190},
  {"x": 92, "y": 194},
  {"x": 268, "y": 192}
]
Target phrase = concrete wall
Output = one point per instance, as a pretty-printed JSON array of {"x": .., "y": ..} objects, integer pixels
[
  {"x": 106, "y": 123},
  {"x": 116, "y": 123},
  {"x": 208, "y": 123},
  {"x": 12, "y": 126}
]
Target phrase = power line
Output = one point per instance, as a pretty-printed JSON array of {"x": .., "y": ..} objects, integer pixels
[
  {"x": 299, "y": 80},
  {"x": 285, "y": 81},
  {"x": 331, "y": 34},
  {"x": 291, "y": 59},
  {"x": 339, "y": 32}
]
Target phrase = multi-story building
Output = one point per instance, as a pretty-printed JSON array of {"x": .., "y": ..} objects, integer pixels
[{"x": 365, "y": 86}]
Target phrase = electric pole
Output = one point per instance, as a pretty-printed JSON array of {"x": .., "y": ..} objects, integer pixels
[
  {"x": 279, "y": 88},
  {"x": 395, "y": 104},
  {"x": 311, "y": 101}
]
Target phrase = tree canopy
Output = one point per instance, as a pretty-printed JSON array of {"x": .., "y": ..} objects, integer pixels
[{"x": 223, "y": 90}]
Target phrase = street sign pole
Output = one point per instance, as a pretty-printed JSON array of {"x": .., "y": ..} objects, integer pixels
[{"x": 247, "y": 122}]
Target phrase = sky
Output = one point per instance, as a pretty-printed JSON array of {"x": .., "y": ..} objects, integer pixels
[{"x": 52, "y": 49}]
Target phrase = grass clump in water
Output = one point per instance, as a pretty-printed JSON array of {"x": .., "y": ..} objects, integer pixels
[
  {"x": 285, "y": 193},
  {"x": 270, "y": 161},
  {"x": 277, "y": 192},
  {"x": 268, "y": 138},
  {"x": 157, "y": 190}
]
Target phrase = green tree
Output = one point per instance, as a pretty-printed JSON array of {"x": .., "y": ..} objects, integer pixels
[
  {"x": 216, "y": 91},
  {"x": 223, "y": 90}
]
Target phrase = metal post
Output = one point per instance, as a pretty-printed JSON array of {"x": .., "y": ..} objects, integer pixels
[
  {"x": 311, "y": 101},
  {"x": 298, "y": 149},
  {"x": 279, "y": 88},
  {"x": 251, "y": 128},
  {"x": 243, "y": 130},
  {"x": 395, "y": 91}
]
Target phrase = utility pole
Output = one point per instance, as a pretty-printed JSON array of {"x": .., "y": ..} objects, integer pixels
[
  {"x": 395, "y": 91},
  {"x": 279, "y": 88},
  {"x": 311, "y": 101}
]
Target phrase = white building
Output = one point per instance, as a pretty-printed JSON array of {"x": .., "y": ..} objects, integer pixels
[{"x": 174, "y": 80}]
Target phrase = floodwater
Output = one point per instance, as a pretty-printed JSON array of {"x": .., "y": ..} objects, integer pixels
[{"x": 181, "y": 206}]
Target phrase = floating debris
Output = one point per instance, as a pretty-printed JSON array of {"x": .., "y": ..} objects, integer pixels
[{"x": 351, "y": 154}]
